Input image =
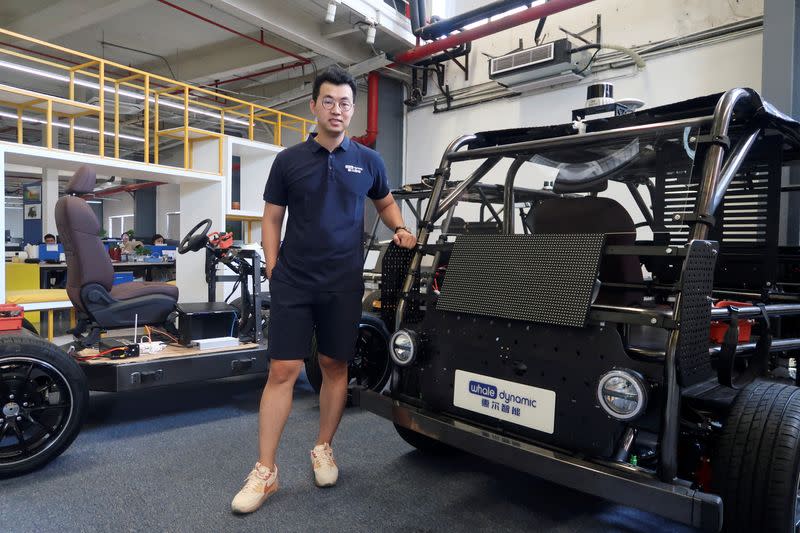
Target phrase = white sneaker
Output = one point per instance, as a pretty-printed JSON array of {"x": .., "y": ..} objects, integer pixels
[
  {"x": 260, "y": 484},
  {"x": 325, "y": 470}
]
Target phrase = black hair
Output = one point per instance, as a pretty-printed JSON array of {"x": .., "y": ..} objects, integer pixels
[
  {"x": 157, "y": 236},
  {"x": 335, "y": 75},
  {"x": 49, "y": 236}
]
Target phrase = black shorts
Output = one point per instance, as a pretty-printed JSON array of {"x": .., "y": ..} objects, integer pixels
[{"x": 295, "y": 314}]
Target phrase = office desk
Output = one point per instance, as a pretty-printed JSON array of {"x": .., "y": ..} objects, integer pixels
[{"x": 45, "y": 269}]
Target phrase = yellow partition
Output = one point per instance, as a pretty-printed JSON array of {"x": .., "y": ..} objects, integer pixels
[{"x": 23, "y": 276}]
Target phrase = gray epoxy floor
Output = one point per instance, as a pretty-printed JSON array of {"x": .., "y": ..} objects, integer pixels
[{"x": 171, "y": 460}]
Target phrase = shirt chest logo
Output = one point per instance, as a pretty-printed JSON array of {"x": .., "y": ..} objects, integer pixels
[{"x": 354, "y": 169}]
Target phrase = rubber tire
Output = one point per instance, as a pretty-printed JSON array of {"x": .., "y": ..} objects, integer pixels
[
  {"x": 371, "y": 297},
  {"x": 26, "y": 324},
  {"x": 756, "y": 465},
  {"x": 25, "y": 345},
  {"x": 424, "y": 443},
  {"x": 265, "y": 308},
  {"x": 314, "y": 373}
]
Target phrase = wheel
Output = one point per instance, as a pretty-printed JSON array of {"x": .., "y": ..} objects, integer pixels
[
  {"x": 44, "y": 398},
  {"x": 756, "y": 465},
  {"x": 368, "y": 305},
  {"x": 371, "y": 366},
  {"x": 26, "y": 324},
  {"x": 265, "y": 307},
  {"x": 424, "y": 443}
]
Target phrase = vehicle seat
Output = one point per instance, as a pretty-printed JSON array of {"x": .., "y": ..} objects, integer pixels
[
  {"x": 90, "y": 272},
  {"x": 592, "y": 214}
]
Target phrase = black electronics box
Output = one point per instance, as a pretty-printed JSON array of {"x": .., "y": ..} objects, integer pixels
[
  {"x": 206, "y": 321},
  {"x": 118, "y": 349}
]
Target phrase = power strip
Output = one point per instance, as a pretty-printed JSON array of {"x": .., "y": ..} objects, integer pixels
[{"x": 216, "y": 342}]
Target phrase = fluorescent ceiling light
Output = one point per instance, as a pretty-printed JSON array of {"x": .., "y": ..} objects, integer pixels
[
  {"x": 77, "y": 128},
  {"x": 13, "y": 197},
  {"x": 122, "y": 92}
]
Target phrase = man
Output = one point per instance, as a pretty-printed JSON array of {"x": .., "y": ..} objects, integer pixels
[
  {"x": 315, "y": 276},
  {"x": 49, "y": 239}
]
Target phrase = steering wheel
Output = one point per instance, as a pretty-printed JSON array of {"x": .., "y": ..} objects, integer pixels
[{"x": 195, "y": 240}]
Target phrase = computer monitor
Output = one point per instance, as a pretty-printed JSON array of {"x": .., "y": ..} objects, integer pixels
[
  {"x": 159, "y": 249},
  {"x": 50, "y": 252}
]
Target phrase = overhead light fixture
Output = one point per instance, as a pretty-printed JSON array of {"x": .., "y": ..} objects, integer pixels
[
  {"x": 122, "y": 92},
  {"x": 330, "y": 14},
  {"x": 77, "y": 128},
  {"x": 371, "y": 31}
]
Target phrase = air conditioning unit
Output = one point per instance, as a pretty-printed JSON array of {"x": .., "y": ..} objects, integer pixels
[{"x": 542, "y": 66}]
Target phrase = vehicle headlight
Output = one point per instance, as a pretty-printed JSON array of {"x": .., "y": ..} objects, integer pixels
[
  {"x": 622, "y": 394},
  {"x": 403, "y": 347}
]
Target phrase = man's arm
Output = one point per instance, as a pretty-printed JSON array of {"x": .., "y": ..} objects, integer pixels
[
  {"x": 271, "y": 223},
  {"x": 390, "y": 214}
]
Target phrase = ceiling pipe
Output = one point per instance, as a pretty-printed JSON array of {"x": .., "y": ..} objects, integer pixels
[
  {"x": 260, "y": 41},
  {"x": 369, "y": 138},
  {"x": 260, "y": 73},
  {"x": 511, "y": 21}
]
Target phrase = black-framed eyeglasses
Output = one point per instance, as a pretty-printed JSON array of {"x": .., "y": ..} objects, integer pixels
[{"x": 344, "y": 105}]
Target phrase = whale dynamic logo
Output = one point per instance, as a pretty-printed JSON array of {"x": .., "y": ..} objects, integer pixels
[{"x": 482, "y": 389}]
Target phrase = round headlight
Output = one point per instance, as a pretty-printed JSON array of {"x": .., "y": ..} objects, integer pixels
[
  {"x": 403, "y": 347},
  {"x": 622, "y": 394}
]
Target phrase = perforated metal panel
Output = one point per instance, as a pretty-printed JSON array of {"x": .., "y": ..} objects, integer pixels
[
  {"x": 545, "y": 278},
  {"x": 697, "y": 281},
  {"x": 394, "y": 267}
]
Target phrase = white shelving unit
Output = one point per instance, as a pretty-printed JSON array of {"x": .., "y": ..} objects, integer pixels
[{"x": 203, "y": 192}]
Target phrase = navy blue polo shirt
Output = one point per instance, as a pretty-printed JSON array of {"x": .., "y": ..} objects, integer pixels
[{"x": 324, "y": 193}]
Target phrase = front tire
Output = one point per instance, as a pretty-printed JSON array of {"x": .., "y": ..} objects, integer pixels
[
  {"x": 44, "y": 398},
  {"x": 757, "y": 460},
  {"x": 370, "y": 368}
]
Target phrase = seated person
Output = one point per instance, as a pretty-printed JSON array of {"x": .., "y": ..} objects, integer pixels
[
  {"x": 49, "y": 239},
  {"x": 127, "y": 244},
  {"x": 158, "y": 239}
]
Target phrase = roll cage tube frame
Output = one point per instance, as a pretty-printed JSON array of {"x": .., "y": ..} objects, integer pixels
[{"x": 712, "y": 190}]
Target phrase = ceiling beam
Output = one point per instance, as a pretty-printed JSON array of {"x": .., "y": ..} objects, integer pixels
[
  {"x": 285, "y": 20},
  {"x": 69, "y": 16}
]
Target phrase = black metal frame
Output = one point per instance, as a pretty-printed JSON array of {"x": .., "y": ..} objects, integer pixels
[{"x": 687, "y": 323}]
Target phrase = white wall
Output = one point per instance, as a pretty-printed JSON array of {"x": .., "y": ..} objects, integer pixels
[
  {"x": 167, "y": 201},
  {"x": 124, "y": 206},
  {"x": 14, "y": 221},
  {"x": 665, "y": 79}
]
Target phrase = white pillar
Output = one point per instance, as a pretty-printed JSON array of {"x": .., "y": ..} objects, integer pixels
[
  {"x": 198, "y": 201},
  {"x": 49, "y": 199}
]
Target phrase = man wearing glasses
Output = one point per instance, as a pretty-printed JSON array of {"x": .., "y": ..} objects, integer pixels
[{"x": 315, "y": 275}]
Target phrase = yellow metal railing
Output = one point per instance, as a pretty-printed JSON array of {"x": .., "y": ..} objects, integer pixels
[{"x": 201, "y": 113}]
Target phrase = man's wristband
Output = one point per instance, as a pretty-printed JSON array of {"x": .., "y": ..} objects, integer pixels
[{"x": 398, "y": 228}]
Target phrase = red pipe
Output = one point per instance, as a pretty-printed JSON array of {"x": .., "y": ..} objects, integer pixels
[
  {"x": 369, "y": 138},
  {"x": 261, "y": 73},
  {"x": 530, "y": 14},
  {"x": 304, "y": 60}
]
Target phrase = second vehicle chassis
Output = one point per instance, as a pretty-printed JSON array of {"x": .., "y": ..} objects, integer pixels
[{"x": 652, "y": 364}]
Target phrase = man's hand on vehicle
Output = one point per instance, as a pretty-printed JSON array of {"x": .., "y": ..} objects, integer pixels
[{"x": 404, "y": 238}]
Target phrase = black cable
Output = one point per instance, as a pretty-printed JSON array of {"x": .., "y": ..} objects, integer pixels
[
  {"x": 591, "y": 60},
  {"x": 235, "y": 286},
  {"x": 539, "y": 28}
]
